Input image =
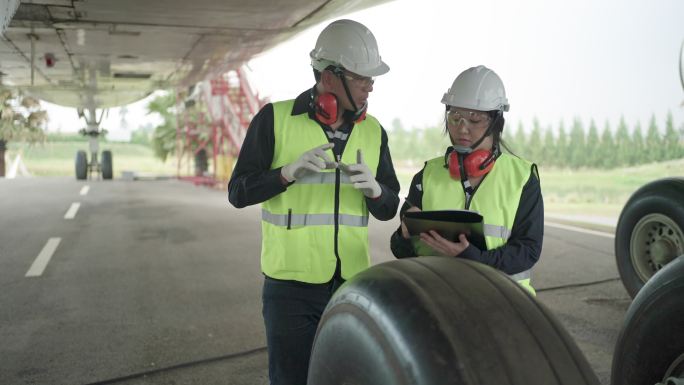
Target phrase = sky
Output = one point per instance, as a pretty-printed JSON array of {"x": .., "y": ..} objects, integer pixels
[{"x": 583, "y": 59}]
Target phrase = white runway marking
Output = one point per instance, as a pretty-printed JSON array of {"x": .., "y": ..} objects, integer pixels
[
  {"x": 85, "y": 189},
  {"x": 71, "y": 213},
  {"x": 579, "y": 229},
  {"x": 43, "y": 258}
]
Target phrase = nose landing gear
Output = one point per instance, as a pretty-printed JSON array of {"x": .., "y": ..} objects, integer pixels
[{"x": 102, "y": 169}]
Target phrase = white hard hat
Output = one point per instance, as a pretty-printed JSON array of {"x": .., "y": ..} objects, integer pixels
[
  {"x": 477, "y": 88},
  {"x": 351, "y": 45}
]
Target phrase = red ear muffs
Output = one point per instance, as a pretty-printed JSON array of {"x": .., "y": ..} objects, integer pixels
[
  {"x": 361, "y": 117},
  {"x": 326, "y": 108},
  {"x": 477, "y": 163}
]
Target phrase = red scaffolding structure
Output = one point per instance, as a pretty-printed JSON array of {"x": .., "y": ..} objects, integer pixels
[{"x": 214, "y": 120}]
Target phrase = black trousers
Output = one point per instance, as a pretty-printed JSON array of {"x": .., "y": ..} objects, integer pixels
[{"x": 291, "y": 313}]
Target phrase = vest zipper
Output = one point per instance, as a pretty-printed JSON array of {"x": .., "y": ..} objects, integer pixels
[
  {"x": 338, "y": 267},
  {"x": 467, "y": 190},
  {"x": 470, "y": 191}
]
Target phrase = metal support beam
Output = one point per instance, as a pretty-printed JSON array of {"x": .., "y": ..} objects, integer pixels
[{"x": 7, "y": 10}]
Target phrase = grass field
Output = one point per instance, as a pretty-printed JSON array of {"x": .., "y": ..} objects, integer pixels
[
  {"x": 594, "y": 192},
  {"x": 58, "y": 158},
  {"x": 588, "y": 191},
  {"x": 601, "y": 192}
]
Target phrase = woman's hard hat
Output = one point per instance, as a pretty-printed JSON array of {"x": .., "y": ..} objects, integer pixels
[{"x": 477, "y": 88}]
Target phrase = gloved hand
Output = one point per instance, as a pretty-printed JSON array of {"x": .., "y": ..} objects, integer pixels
[
  {"x": 311, "y": 161},
  {"x": 362, "y": 177}
]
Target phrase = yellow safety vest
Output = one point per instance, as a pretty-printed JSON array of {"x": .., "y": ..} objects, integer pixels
[
  {"x": 496, "y": 199},
  {"x": 302, "y": 226}
]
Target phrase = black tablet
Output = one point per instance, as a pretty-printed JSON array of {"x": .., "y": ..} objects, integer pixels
[{"x": 448, "y": 223}]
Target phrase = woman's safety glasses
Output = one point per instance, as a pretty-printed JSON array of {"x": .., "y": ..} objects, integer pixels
[{"x": 475, "y": 119}]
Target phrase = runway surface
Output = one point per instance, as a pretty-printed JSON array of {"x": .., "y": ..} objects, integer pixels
[{"x": 158, "y": 282}]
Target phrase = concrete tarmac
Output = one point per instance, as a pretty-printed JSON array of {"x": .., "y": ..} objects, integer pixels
[{"x": 158, "y": 282}]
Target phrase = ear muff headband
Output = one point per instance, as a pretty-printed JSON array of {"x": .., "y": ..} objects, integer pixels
[
  {"x": 475, "y": 164},
  {"x": 358, "y": 116}
]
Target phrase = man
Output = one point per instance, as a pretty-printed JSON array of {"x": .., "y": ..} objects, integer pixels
[{"x": 318, "y": 164}]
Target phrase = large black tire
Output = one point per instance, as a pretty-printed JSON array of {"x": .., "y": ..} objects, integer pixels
[
  {"x": 81, "y": 165},
  {"x": 433, "y": 320},
  {"x": 650, "y": 232},
  {"x": 650, "y": 347},
  {"x": 107, "y": 167}
]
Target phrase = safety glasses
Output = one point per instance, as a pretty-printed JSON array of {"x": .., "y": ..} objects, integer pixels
[
  {"x": 358, "y": 80},
  {"x": 475, "y": 119}
]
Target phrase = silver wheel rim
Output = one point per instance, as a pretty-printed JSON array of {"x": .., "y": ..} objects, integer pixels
[{"x": 656, "y": 240}]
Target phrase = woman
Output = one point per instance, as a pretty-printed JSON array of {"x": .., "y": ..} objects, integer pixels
[{"x": 475, "y": 175}]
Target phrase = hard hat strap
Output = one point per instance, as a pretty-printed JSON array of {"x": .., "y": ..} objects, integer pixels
[
  {"x": 488, "y": 132},
  {"x": 358, "y": 112},
  {"x": 463, "y": 152},
  {"x": 495, "y": 151}
]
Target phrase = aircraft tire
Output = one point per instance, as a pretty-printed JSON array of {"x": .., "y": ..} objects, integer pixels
[
  {"x": 650, "y": 232},
  {"x": 107, "y": 170},
  {"x": 81, "y": 165},
  {"x": 435, "y": 320},
  {"x": 650, "y": 347}
]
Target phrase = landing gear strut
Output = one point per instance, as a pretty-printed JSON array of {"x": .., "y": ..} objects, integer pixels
[{"x": 102, "y": 169}]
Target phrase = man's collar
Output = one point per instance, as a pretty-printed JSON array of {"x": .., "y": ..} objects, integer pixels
[{"x": 302, "y": 104}]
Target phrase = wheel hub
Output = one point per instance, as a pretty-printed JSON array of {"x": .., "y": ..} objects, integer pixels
[
  {"x": 655, "y": 241},
  {"x": 663, "y": 251}
]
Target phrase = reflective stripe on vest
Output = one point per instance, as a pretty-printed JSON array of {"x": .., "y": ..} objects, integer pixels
[
  {"x": 313, "y": 219},
  {"x": 527, "y": 274},
  {"x": 337, "y": 134},
  {"x": 496, "y": 199},
  {"x": 299, "y": 231},
  {"x": 496, "y": 231}
]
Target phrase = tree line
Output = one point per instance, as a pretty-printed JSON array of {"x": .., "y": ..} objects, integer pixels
[{"x": 573, "y": 146}]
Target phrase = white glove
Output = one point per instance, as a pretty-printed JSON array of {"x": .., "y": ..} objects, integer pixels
[
  {"x": 311, "y": 161},
  {"x": 362, "y": 177}
]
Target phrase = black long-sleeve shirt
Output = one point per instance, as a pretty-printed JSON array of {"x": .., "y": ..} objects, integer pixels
[
  {"x": 254, "y": 182},
  {"x": 521, "y": 251}
]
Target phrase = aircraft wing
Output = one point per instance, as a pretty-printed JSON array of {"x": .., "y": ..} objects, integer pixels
[{"x": 106, "y": 53}]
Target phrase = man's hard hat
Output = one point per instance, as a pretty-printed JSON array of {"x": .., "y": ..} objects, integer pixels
[
  {"x": 351, "y": 45},
  {"x": 477, "y": 88}
]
